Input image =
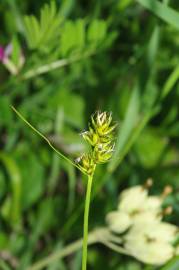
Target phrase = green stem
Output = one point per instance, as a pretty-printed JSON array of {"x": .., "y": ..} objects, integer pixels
[
  {"x": 71, "y": 248},
  {"x": 45, "y": 138},
  {"x": 115, "y": 247},
  {"x": 99, "y": 235},
  {"x": 54, "y": 65},
  {"x": 85, "y": 226}
]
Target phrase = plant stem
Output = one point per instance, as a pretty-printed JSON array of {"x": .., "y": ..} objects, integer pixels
[
  {"x": 93, "y": 238},
  {"x": 99, "y": 235},
  {"x": 115, "y": 247},
  {"x": 85, "y": 226},
  {"x": 54, "y": 65},
  {"x": 46, "y": 139}
]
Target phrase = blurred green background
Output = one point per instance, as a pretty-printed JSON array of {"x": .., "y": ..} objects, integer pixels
[{"x": 79, "y": 57}]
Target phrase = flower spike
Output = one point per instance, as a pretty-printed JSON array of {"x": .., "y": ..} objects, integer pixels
[{"x": 100, "y": 137}]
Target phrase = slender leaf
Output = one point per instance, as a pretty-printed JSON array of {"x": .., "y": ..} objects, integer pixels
[
  {"x": 12, "y": 205},
  {"x": 127, "y": 126},
  {"x": 162, "y": 11}
]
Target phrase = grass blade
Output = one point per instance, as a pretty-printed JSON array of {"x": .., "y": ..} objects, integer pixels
[
  {"x": 126, "y": 128},
  {"x": 162, "y": 11}
]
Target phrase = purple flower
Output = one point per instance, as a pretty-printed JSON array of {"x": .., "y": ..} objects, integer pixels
[{"x": 2, "y": 53}]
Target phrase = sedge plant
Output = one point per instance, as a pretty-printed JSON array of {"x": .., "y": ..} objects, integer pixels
[{"x": 100, "y": 138}]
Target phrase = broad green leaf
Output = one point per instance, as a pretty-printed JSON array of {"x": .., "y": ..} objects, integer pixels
[
  {"x": 80, "y": 33},
  {"x": 32, "y": 174},
  {"x": 4, "y": 239},
  {"x": 149, "y": 147},
  {"x": 11, "y": 208},
  {"x": 72, "y": 106},
  {"x": 72, "y": 36},
  {"x": 33, "y": 177},
  {"x": 46, "y": 216},
  {"x": 122, "y": 4},
  {"x": 6, "y": 112},
  {"x": 96, "y": 31}
]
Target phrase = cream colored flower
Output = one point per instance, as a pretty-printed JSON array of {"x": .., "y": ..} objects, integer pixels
[
  {"x": 150, "y": 252},
  {"x": 162, "y": 232},
  {"x": 151, "y": 242},
  {"x": 153, "y": 230},
  {"x": 132, "y": 200},
  {"x": 153, "y": 203},
  {"x": 136, "y": 200},
  {"x": 177, "y": 250},
  {"x": 144, "y": 235},
  {"x": 118, "y": 222},
  {"x": 147, "y": 216}
]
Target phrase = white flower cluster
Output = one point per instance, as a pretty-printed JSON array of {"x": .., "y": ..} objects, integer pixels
[{"x": 139, "y": 221}]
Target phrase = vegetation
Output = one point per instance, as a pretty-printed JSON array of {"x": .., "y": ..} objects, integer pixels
[{"x": 61, "y": 61}]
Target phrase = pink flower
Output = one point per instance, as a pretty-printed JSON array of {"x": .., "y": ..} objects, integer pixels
[
  {"x": 5, "y": 58},
  {"x": 5, "y": 52},
  {"x": 2, "y": 54}
]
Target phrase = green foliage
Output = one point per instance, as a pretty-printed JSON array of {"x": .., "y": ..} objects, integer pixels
[
  {"x": 97, "y": 31},
  {"x": 51, "y": 32},
  {"x": 119, "y": 56},
  {"x": 73, "y": 36},
  {"x": 162, "y": 11},
  {"x": 150, "y": 147},
  {"x": 76, "y": 35},
  {"x": 16, "y": 52},
  {"x": 11, "y": 208},
  {"x": 173, "y": 265},
  {"x": 40, "y": 34}
]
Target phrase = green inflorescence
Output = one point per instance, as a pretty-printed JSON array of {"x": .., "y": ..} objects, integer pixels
[{"x": 100, "y": 137}]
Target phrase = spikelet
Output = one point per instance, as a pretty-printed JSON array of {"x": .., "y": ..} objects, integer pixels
[{"x": 100, "y": 137}]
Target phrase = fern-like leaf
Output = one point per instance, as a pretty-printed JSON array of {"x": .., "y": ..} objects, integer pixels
[{"x": 42, "y": 34}]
